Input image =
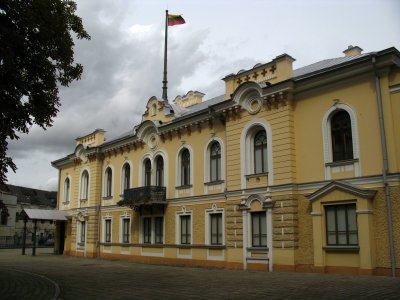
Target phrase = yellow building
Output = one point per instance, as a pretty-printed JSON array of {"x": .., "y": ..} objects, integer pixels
[{"x": 289, "y": 170}]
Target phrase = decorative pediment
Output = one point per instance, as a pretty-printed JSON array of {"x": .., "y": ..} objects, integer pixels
[
  {"x": 82, "y": 216},
  {"x": 344, "y": 187},
  {"x": 265, "y": 201}
]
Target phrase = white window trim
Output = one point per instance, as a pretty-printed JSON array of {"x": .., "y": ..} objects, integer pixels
[
  {"x": 105, "y": 181},
  {"x": 67, "y": 201},
  {"x": 178, "y": 168},
  {"x": 153, "y": 229},
  {"x": 79, "y": 245},
  {"x": 123, "y": 176},
  {"x": 80, "y": 187},
  {"x": 208, "y": 212},
  {"x": 178, "y": 215},
  {"x": 207, "y": 150},
  {"x": 104, "y": 229},
  {"x": 121, "y": 228},
  {"x": 142, "y": 169},
  {"x": 327, "y": 140},
  {"x": 164, "y": 155},
  {"x": 247, "y": 153}
]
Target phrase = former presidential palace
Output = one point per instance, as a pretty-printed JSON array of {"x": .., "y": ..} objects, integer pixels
[{"x": 289, "y": 170}]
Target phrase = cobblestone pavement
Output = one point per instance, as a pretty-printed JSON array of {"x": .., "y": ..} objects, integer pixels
[{"x": 48, "y": 276}]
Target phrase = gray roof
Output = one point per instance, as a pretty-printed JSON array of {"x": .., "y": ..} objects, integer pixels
[
  {"x": 203, "y": 105},
  {"x": 46, "y": 214},
  {"x": 323, "y": 65},
  {"x": 184, "y": 112}
]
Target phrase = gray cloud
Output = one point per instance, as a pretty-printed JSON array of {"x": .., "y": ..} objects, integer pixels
[{"x": 123, "y": 61}]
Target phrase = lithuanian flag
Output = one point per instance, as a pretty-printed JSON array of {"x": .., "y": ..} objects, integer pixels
[{"x": 175, "y": 20}]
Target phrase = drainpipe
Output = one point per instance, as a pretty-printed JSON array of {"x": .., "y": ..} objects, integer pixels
[
  {"x": 385, "y": 167},
  {"x": 98, "y": 208}
]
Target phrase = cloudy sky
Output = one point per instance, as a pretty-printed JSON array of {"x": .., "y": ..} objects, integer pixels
[{"x": 124, "y": 59}]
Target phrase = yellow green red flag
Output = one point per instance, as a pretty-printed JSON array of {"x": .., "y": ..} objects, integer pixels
[{"x": 175, "y": 20}]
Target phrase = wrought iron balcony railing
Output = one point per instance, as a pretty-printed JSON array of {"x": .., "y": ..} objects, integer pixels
[{"x": 146, "y": 195}]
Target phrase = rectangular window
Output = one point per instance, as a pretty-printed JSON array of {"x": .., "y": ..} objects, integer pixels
[
  {"x": 216, "y": 229},
  {"x": 159, "y": 230},
  {"x": 259, "y": 229},
  {"x": 146, "y": 230},
  {"x": 341, "y": 225},
  {"x": 125, "y": 230},
  {"x": 185, "y": 229},
  {"x": 83, "y": 232},
  {"x": 107, "y": 231}
]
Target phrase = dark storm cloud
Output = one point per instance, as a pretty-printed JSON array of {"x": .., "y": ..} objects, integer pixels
[{"x": 122, "y": 70}]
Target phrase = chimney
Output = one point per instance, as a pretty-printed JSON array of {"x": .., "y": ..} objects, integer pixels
[{"x": 352, "y": 51}]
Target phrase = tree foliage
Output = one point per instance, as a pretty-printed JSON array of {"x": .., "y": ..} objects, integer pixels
[{"x": 36, "y": 57}]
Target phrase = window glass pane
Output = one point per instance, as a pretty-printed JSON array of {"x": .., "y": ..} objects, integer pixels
[
  {"x": 147, "y": 230},
  {"x": 213, "y": 170},
  {"x": 330, "y": 216},
  {"x": 353, "y": 239},
  {"x": 108, "y": 231},
  {"x": 257, "y": 161},
  {"x": 216, "y": 229},
  {"x": 264, "y": 160},
  {"x": 342, "y": 239},
  {"x": 127, "y": 176},
  {"x": 255, "y": 229},
  {"x": 331, "y": 238},
  {"x": 185, "y": 229},
  {"x": 341, "y": 218},
  {"x": 352, "y": 218},
  {"x": 342, "y": 144},
  {"x": 159, "y": 230},
  {"x": 83, "y": 231},
  {"x": 341, "y": 222},
  {"x": 126, "y": 224}
]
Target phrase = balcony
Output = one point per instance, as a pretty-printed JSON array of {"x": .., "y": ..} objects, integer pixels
[{"x": 144, "y": 196}]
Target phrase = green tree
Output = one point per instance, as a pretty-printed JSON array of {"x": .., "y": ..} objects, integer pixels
[{"x": 36, "y": 57}]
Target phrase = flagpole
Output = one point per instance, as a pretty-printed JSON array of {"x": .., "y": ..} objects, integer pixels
[{"x": 165, "y": 81}]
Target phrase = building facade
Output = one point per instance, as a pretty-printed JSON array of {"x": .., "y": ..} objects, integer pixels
[
  {"x": 289, "y": 170},
  {"x": 15, "y": 199}
]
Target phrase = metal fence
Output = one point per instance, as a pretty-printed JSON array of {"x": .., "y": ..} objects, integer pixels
[{"x": 7, "y": 242}]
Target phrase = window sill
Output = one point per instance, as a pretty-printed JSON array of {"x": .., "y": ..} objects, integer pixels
[
  {"x": 81, "y": 244},
  {"x": 257, "y": 249},
  {"x": 216, "y": 182},
  {"x": 183, "y": 187},
  {"x": 256, "y": 175},
  {"x": 65, "y": 203},
  {"x": 341, "y": 163},
  {"x": 354, "y": 249},
  {"x": 107, "y": 198},
  {"x": 83, "y": 200},
  {"x": 125, "y": 244},
  {"x": 148, "y": 245}
]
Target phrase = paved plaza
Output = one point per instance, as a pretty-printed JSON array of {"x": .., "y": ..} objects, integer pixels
[{"x": 48, "y": 276}]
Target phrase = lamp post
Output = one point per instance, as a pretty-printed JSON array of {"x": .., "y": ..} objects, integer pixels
[{"x": 23, "y": 216}]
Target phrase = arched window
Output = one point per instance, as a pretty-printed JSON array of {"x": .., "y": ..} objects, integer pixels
[
  {"x": 185, "y": 167},
  {"x": 260, "y": 152},
  {"x": 108, "y": 183},
  {"x": 215, "y": 162},
  {"x": 342, "y": 140},
  {"x": 159, "y": 171},
  {"x": 126, "y": 176},
  {"x": 67, "y": 187},
  {"x": 85, "y": 185},
  {"x": 147, "y": 172}
]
